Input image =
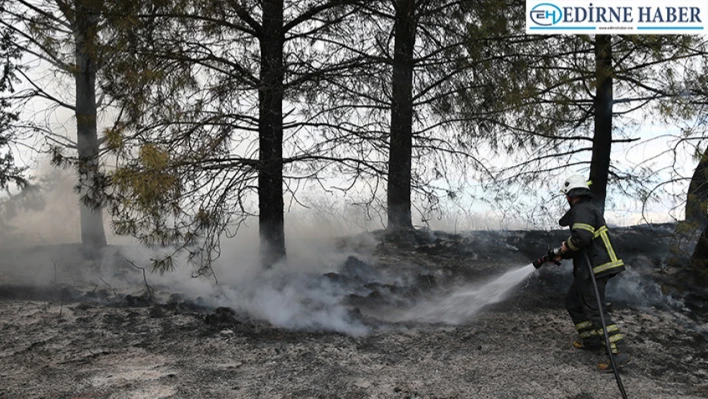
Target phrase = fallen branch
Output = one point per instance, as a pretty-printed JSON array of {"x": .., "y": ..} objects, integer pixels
[
  {"x": 56, "y": 284},
  {"x": 86, "y": 359},
  {"x": 147, "y": 286},
  {"x": 109, "y": 286}
]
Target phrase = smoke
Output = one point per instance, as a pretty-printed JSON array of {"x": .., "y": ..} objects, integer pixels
[
  {"x": 40, "y": 247},
  {"x": 293, "y": 294},
  {"x": 294, "y": 301},
  {"x": 47, "y": 215},
  {"x": 638, "y": 288}
]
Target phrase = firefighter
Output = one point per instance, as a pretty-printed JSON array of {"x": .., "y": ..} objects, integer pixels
[{"x": 590, "y": 236}]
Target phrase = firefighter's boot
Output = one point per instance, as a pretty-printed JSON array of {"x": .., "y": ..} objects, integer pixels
[
  {"x": 589, "y": 338},
  {"x": 621, "y": 360}
]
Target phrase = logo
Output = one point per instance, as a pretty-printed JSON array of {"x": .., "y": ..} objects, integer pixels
[
  {"x": 616, "y": 17},
  {"x": 546, "y": 14}
]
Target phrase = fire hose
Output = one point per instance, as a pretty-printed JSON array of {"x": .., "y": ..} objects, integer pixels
[
  {"x": 552, "y": 256},
  {"x": 604, "y": 327}
]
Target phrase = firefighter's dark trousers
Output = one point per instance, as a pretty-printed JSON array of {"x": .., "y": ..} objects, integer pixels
[{"x": 582, "y": 306}]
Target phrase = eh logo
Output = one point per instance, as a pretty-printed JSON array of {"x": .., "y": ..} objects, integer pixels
[{"x": 546, "y": 14}]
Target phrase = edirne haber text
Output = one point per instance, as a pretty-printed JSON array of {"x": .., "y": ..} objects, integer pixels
[{"x": 627, "y": 14}]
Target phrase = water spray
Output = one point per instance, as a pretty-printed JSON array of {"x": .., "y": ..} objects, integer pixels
[{"x": 464, "y": 302}]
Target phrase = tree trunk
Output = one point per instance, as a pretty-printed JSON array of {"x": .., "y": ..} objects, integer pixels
[
  {"x": 696, "y": 207},
  {"x": 401, "y": 142},
  {"x": 270, "y": 131},
  {"x": 602, "y": 139},
  {"x": 86, "y": 27},
  {"x": 699, "y": 259}
]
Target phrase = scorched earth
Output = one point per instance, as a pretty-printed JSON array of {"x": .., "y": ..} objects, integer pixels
[{"x": 78, "y": 340}]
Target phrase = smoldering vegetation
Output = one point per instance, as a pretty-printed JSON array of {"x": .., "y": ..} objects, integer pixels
[
  {"x": 414, "y": 314},
  {"x": 355, "y": 284},
  {"x": 339, "y": 319}
]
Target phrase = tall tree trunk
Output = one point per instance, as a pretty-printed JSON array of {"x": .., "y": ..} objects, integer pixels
[
  {"x": 86, "y": 27},
  {"x": 699, "y": 259},
  {"x": 695, "y": 221},
  {"x": 696, "y": 201},
  {"x": 401, "y": 142},
  {"x": 270, "y": 130},
  {"x": 602, "y": 139}
]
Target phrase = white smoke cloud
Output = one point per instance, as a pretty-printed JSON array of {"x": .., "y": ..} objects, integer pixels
[{"x": 292, "y": 295}]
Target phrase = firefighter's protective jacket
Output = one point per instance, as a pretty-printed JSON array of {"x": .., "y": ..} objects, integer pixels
[{"x": 590, "y": 234}]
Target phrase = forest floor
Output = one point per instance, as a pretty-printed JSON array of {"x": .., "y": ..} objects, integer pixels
[{"x": 74, "y": 340}]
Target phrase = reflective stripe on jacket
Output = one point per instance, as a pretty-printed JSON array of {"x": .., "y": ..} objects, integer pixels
[{"x": 590, "y": 234}]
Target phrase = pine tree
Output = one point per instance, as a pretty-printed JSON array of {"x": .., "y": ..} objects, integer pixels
[{"x": 45, "y": 30}]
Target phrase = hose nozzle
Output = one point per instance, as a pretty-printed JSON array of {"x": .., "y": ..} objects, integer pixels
[{"x": 549, "y": 257}]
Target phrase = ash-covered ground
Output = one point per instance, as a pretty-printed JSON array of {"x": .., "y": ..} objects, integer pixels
[{"x": 77, "y": 328}]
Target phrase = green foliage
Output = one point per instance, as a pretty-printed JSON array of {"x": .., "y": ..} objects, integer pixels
[
  {"x": 544, "y": 98},
  {"x": 186, "y": 76},
  {"x": 150, "y": 185},
  {"x": 9, "y": 172}
]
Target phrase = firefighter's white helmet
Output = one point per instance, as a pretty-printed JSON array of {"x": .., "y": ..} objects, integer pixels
[{"x": 573, "y": 182}]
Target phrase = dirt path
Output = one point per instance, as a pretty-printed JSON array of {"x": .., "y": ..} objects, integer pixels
[{"x": 149, "y": 353}]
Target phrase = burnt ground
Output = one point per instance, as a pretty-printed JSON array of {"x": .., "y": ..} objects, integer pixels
[{"x": 82, "y": 340}]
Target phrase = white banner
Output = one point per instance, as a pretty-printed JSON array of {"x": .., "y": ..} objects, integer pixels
[{"x": 617, "y": 17}]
